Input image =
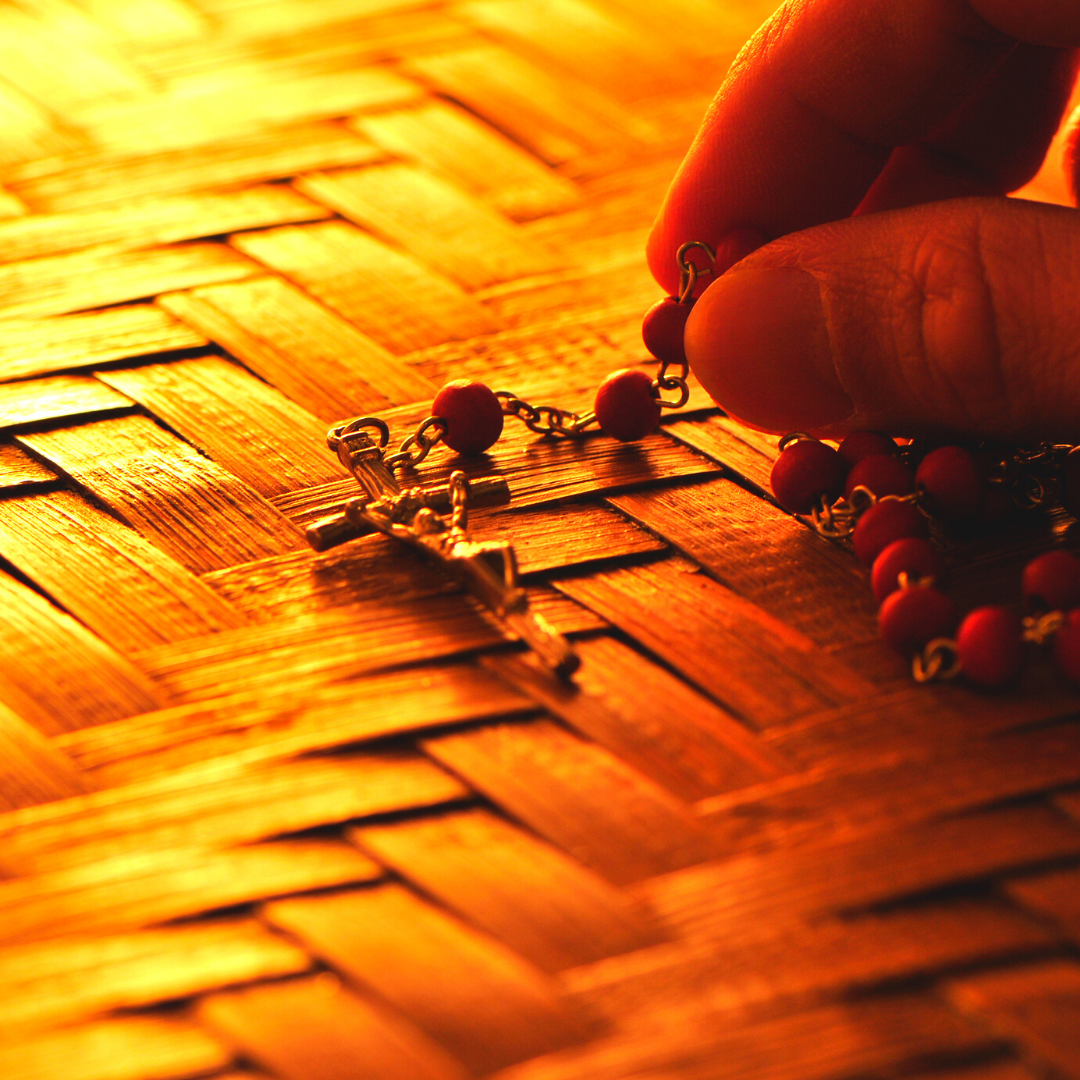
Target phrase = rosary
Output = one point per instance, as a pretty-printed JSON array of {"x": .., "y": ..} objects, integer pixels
[{"x": 870, "y": 492}]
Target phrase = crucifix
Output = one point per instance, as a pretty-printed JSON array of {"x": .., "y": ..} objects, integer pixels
[{"x": 434, "y": 521}]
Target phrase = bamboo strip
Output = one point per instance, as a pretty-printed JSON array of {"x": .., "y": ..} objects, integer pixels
[
  {"x": 472, "y": 995},
  {"x": 386, "y": 294},
  {"x": 578, "y": 796},
  {"x": 256, "y": 433},
  {"x": 106, "y": 575},
  {"x": 31, "y": 347},
  {"x": 191, "y": 508},
  {"x": 545, "y": 906}
]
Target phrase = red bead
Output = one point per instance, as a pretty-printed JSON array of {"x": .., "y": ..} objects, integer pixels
[
  {"x": 861, "y": 444},
  {"x": 1067, "y": 647},
  {"x": 953, "y": 484},
  {"x": 883, "y": 523},
  {"x": 805, "y": 471},
  {"x": 912, "y": 556},
  {"x": 473, "y": 416},
  {"x": 1052, "y": 581},
  {"x": 991, "y": 646},
  {"x": 883, "y": 474},
  {"x": 626, "y": 405},
  {"x": 910, "y": 618},
  {"x": 663, "y": 327},
  {"x": 1070, "y": 482}
]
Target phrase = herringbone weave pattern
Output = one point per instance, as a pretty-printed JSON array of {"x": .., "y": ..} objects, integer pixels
[{"x": 275, "y": 813}]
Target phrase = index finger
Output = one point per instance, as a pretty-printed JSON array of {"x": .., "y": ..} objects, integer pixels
[{"x": 815, "y": 104}]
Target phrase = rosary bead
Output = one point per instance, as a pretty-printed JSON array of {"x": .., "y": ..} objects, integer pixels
[
  {"x": 626, "y": 405},
  {"x": 663, "y": 327},
  {"x": 990, "y": 645},
  {"x": 804, "y": 472},
  {"x": 883, "y": 523},
  {"x": 862, "y": 444},
  {"x": 1067, "y": 647},
  {"x": 1052, "y": 581},
  {"x": 953, "y": 486},
  {"x": 883, "y": 474},
  {"x": 910, "y": 618},
  {"x": 472, "y": 413},
  {"x": 917, "y": 558},
  {"x": 1070, "y": 482}
]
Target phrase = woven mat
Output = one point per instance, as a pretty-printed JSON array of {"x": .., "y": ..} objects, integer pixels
[{"x": 275, "y": 813}]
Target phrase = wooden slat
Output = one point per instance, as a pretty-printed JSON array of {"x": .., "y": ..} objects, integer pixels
[
  {"x": 146, "y": 222},
  {"x": 754, "y": 665},
  {"x": 57, "y": 675},
  {"x": 578, "y": 796},
  {"x": 40, "y": 346},
  {"x": 142, "y": 888},
  {"x": 549, "y": 538},
  {"x": 588, "y": 42},
  {"x": 337, "y": 645},
  {"x": 30, "y": 132},
  {"x": 85, "y": 279},
  {"x": 388, "y": 295},
  {"x": 59, "y": 69},
  {"x": 764, "y": 555},
  {"x": 106, "y": 575},
  {"x": 904, "y": 722},
  {"x": 542, "y": 904},
  {"x": 378, "y": 568},
  {"x": 765, "y": 970},
  {"x": 135, "y": 1048},
  {"x": 316, "y": 1029},
  {"x": 712, "y": 901},
  {"x": 472, "y": 995},
  {"x": 219, "y": 804},
  {"x": 20, "y": 472},
  {"x": 974, "y": 774},
  {"x": 867, "y": 1038},
  {"x": 191, "y": 508},
  {"x": 32, "y": 769},
  {"x": 454, "y": 143},
  {"x": 731, "y": 444},
  {"x": 1034, "y": 1005},
  {"x": 78, "y": 978},
  {"x": 554, "y": 116},
  {"x": 75, "y": 182},
  {"x": 280, "y": 722},
  {"x": 245, "y": 426},
  {"x": 1054, "y": 895},
  {"x": 311, "y": 355},
  {"x": 202, "y": 114},
  {"x": 434, "y": 221},
  {"x": 648, "y": 717},
  {"x": 56, "y": 398}
]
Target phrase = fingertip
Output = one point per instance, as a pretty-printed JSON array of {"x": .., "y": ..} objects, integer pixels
[{"x": 758, "y": 340}]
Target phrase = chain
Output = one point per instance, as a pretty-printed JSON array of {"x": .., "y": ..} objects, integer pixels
[
  {"x": 422, "y": 440},
  {"x": 545, "y": 419},
  {"x": 940, "y": 659}
]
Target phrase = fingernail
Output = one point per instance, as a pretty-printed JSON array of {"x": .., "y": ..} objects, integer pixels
[{"x": 758, "y": 341}]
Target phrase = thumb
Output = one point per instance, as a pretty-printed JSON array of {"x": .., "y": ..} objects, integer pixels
[{"x": 958, "y": 318}]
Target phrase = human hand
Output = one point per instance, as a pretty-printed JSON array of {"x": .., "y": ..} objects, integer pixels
[{"x": 958, "y": 317}]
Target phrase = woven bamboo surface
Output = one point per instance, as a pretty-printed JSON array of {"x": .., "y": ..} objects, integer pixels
[{"x": 275, "y": 813}]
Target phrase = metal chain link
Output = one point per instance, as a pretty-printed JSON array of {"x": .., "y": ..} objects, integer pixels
[
  {"x": 939, "y": 659},
  {"x": 420, "y": 438},
  {"x": 545, "y": 419}
]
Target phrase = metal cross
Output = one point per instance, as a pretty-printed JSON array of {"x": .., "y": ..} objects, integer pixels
[{"x": 434, "y": 521}]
